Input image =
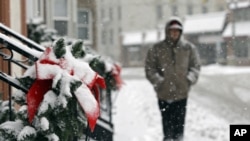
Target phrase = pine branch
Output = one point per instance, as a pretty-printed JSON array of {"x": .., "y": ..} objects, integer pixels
[
  {"x": 59, "y": 48},
  {"x": 77, "y": 49}
]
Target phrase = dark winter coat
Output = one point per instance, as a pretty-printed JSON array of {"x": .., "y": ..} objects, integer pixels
[{"x": 167, "y": 67}]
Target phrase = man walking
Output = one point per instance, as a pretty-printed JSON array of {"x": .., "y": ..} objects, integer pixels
[{"x": 172, "y": 66}]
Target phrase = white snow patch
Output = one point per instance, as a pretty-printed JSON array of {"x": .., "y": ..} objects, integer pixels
[
  {"x": 241, "y": 29},
  {"x": 239, "y": 4},
  {"x": 83, "y": 71},
  {"x": 31, "y": 72},
  {"x": 62, "y": 101},
  {"x": 26, "y": 131},
  {"x": 44, "y": 124},
  {"x": 65, "y": 84},
  {"x": 133, "y": 38},
  {"x": 86, "y": 99},
  {"x": 204, "y": 125},
  {"x": 201, "y": 23},
  {"x": 47, "y": 71},
  {"x": 88, "y": 57},
  {"x": 151, "y": 37},
  {"x": 137, "y": 115},
  {"x": 53, "y": 137},
  {"x": 19, "y": 95},
  {"x": 12, "y": 127},
  {"x": 212, "y": 105},
  {"x": 48, "y": 100},
  {"x": 23, "y": 108},
  {"x": 226, "y": 70},
  {"x": 243, "y": 94}
]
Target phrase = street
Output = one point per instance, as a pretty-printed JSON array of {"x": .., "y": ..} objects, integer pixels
[{"x": 220, "y": 98}]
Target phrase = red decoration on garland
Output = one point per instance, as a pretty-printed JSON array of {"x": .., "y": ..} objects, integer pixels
[
  {"x": 116, "y": 72},
  {"x": 98, "y": 81},
  {"x": 47, "y": 67},
  {"x": 35, "y": 96}
]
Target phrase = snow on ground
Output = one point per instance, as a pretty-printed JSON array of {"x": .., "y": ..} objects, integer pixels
[
  {"x": 137, "y": 116},
  {"x": 220, "y": 98}
]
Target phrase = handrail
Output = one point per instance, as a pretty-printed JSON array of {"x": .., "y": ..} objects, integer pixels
[
  {"x": 11, "y": 59},
  {"x": 20, "y": 37},
  {"x": 12, "y": 81},
  {"x": 19, "y": 47}
]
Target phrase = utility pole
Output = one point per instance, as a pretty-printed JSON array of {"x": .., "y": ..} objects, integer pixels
[
  {"x": 233, "y": 8},
  {"x": 233, "y": 2}
]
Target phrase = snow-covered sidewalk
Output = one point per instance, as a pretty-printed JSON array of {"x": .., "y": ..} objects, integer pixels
[{"x": 212, "y": 106}]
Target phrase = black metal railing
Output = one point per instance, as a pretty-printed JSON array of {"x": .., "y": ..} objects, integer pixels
[{"x": 7, "y": 31}]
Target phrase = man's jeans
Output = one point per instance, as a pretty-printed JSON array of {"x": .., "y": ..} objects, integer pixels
[{"x": 173, "y": 118}]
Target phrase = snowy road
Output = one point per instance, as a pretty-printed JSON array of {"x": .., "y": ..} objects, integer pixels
[{"x": 220, "y": 98}]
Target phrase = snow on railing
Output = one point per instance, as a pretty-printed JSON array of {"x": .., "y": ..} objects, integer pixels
[
  {"x": 12, "y": 81},
  {"x": 19, "y": 47},
  {"x": 20, "y": 37}
]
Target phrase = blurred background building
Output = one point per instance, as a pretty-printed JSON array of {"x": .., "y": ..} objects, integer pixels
[
  {"x": 143, "y": 23},
  {"x": 237, "y": 33},
  {"x": 13, "y": 15},
  {"x": 70, "y": 18},
  {"x": 124, "y": 30}
]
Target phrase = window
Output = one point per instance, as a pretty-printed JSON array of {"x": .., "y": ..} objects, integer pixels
[
  {"x": 39, "y": 7},
  {"x": 111, "y": 36},
  {"x": 110, "y": 13},
  {"x": 119, "y": 12},
  {"x": 104, "y": 37},
  {"x": 61, "y": 27},
  {"x": 134, "y": 55},
  {"x": 174, "y": 10},
  {"x": 204, "y": 9},
  {"x": 60, "y": 8},
  {"x": 241, "y": 48},
  {"x": 83, "y": 33},
  {"x": 159, "y": 13},
  {"x": 61, "y": 17},
  {"x": 84, "y": 28},
  {"x": 190, "y": 9},
  {"x": 102, "y": 14},
  {"x": 39, "y": 11},
  {"x": 83, "y": 17},
  {"x": 220, "y": 8}
]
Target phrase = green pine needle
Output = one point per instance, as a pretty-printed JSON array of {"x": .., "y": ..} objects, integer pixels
[
  {"x": 59, "y": 48},
  {"x": 98, "y": 66},
  {"x": 77, "y": 50}
]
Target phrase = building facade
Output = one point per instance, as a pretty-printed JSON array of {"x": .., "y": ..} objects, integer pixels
[
  {"x": 104, "y": 24},
  {"x": 71, "y": 18},
  {"x": 205, "y": 31},
  {"x": 109, "y": 28},
  {"x": 143, "y": 17},
  {"x": 237, "y": 33}
]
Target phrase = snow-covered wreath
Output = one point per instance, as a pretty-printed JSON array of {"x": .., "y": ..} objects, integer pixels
[{"x": 61, "y": 90}]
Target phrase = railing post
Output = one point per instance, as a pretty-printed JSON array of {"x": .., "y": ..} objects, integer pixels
[{"x": 10, "y": 95}]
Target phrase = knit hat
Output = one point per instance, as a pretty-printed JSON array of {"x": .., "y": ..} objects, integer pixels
[{"x": 174, "y": 23}]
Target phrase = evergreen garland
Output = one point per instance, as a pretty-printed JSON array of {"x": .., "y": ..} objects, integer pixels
[
  {"x": 59, "y": 48},
  {"x": 57, "y": 122},
  {"x": 77, "y": 49}
]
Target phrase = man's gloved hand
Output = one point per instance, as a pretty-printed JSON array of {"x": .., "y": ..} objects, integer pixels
[
  {"x": 191, "y": 77},
  {"x": 159, "y": 81}
]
